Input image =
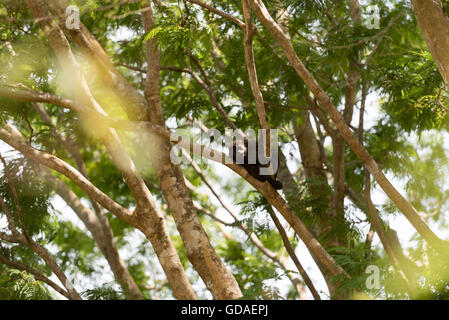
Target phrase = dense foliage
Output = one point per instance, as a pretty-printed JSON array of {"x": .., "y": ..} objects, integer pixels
[{"x": 399, "y": 113}]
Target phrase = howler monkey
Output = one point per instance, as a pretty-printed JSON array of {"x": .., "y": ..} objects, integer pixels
[{"x": 253, "y": 168}]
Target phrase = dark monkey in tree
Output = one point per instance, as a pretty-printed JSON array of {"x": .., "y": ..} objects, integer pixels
[{"x": 238, "y": 151}]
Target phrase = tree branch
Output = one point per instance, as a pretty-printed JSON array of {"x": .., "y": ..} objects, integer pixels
[
  {"x": 219, "y": 12},
  {"x": 264, "y": 187},
  {"x": 13, "y": 137},
  {"x": 326, "y": 104},
  {"x": 37, "y": 275},
  {"x": 378, "y": 227},
  {"x": 249, "y": 32},
  {"x": 292, "y": 254},
  {"x": 103, "y": 238}
]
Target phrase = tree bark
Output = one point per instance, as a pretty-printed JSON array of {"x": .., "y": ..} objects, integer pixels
[
  {"x": 104, "y": 241},
  {"x": 153, "y": 227},
  {"x": 434, "y": 25},
  {"x": 218, "y": 279},
  {"x": 326, "y": 104},
  {"x": 97, "y": 223}
]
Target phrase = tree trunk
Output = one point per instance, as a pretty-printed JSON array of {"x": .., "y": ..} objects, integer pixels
[
  {"x": 434, "y": 25},
  {"x": 218, "y": 279}
]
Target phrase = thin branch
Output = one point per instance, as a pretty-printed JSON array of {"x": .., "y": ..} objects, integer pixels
[
  {"x": 237, "y": 223},
  {"x": 207, "y": 85},
  {"x": 276, "y": 105},
  {"x": 249, "y": 33},
  {"x": 12, "y": 136},
  {"x": 265, "y": 188},
  {"x": 15, "y": 198},
  {"x": 37, "y": 275},
  {"x": 219, "y": 12},
  {"x": 381, "y": 35},
  {"x": 73, "y": 149},
  {"x": 129, "y": 13},
  {"x": 25, "y": 240},
  {"x": 326, "y": 104},
  {"x": 259, "y": 245},
  {"x": 100, "y": 231},
  {"x": 291, "y": 252},
  {"x": 9, "y": 216},
  {"x": 362, "y": 111},
  {"x": 378, "y": 227},
  {"x": 369, "y": 241}
]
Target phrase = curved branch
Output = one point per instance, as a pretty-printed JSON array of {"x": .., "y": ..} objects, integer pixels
[
  {"x": 101, "y": 233},
  {"x": 264, "y": 187},
  {"x": 292, "y": 254},
  {"x": 219, "y": 12},
  {"x": 37, "y": 275},
  {"x": 326, "y": 104},
  {"x": 249, "y": 32},
  {"x": 11, "y": 136}
]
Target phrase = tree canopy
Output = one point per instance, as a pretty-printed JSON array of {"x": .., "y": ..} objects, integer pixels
[{"x": 99, "y": 98}]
